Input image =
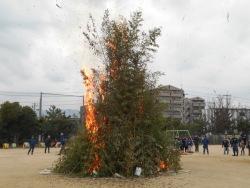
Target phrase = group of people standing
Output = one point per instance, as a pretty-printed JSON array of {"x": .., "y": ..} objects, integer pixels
[
  {"x": 186, "y": 144},
  {"x": 47, "y": 143},
  {"x": 236, "y": 143}
]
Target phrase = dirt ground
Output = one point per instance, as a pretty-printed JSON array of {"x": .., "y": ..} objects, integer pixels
[{"x": 18, "y": 170}]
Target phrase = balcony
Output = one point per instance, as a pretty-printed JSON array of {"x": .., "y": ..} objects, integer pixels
[
  {"x": 199, "y": 104},
  {"x": 197, "y": 111},
  {"x": 177, "y": 102},
  {"x": 170, "y": 94}
]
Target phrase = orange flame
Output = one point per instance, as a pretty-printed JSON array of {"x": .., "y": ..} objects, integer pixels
[
  {"x": 163, "y": 165},
  {"x": 111, "y": 45},
  {"x": 96, "y": 88},
  {"x": 91, "y": 122},
  {"x": 95, "y": 165}
]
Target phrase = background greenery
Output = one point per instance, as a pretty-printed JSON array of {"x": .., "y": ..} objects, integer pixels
[{"x": 18, "y": 123}]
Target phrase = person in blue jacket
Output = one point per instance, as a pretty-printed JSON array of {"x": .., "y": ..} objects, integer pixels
[
  {"x": 62, "y": 142},
  {"x": 205, "y": 143},
  {"x": 32, "y": 143}
]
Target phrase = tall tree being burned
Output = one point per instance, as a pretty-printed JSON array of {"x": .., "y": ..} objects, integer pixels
[{"x": 127, "y": 123}]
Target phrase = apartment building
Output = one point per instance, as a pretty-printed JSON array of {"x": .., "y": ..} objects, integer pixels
[
  {"x": 174, "y": 98},
  {"x": 238, "y": 113},
  {"x": 194, "y": 108}
]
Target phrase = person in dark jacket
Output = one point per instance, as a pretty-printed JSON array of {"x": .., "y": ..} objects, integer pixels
[
  {"x": 234, "y": 144},
  {"x": 205, "y": 143},
  {"x": 62, "y": 142},
  {"x": 196, "y": 143},
  {"x": 47, "y": 144},
  {"x": 186, "y": 145},
  {"x": 225, "y": 145},
  {"x": 183, "y": 144},
  {"x": 32, "y": 143}
]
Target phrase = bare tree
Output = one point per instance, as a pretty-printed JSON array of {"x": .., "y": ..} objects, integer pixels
[{"x": 219, "y": 114}]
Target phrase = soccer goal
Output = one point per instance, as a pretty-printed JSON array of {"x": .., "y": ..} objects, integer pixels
[{"x": 177, "y": 134}]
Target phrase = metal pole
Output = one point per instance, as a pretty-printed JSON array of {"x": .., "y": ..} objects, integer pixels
[{"x": 40, "y": 105}]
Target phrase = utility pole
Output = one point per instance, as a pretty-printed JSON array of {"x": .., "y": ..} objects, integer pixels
[
  {"x": 40, "y": 105},
  {"x": 228, "y": 100},
  {"x": 34, "y": 106}
]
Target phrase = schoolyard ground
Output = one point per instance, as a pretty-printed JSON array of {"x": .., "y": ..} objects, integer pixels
[{"x": 19, "y": 170}]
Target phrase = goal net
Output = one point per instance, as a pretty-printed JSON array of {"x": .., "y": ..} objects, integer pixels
[{"x": 176, "y": 135}]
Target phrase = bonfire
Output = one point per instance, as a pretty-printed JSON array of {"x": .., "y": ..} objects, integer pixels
[{"x": 123, "y": 118}]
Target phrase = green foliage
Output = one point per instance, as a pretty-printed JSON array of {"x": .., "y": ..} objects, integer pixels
[
  {"x": 243, "y": 125},
  {"x": 17, "y": 123},
  {"x": 174, "y": 124},
  {"x": 131, "y": 132},
  {"x": 77, "y": 158},
  {"x": 222, "y": 120},
  {"x": 56, "y": 122},
  {"x": 198, "y": 127}
]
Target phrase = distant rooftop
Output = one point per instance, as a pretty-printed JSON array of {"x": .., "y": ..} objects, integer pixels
[
  {"x": 196, "y": 98},
  {"x": 169, "y": 87}
]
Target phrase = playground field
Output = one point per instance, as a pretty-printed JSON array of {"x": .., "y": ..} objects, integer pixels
[{"x": 18, "y": 170}]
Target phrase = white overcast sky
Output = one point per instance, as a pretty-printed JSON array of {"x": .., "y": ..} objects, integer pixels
[{"x": 204, "y": 47}]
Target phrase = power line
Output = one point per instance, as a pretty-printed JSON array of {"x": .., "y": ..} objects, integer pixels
[
  {"x": 60, "y": 104},
  {"x": 21, "y": 93},
  {"x": 42, "y": 99},
  {"x": 66, "y": 95},
  {"x": 17, "y": 95}
]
